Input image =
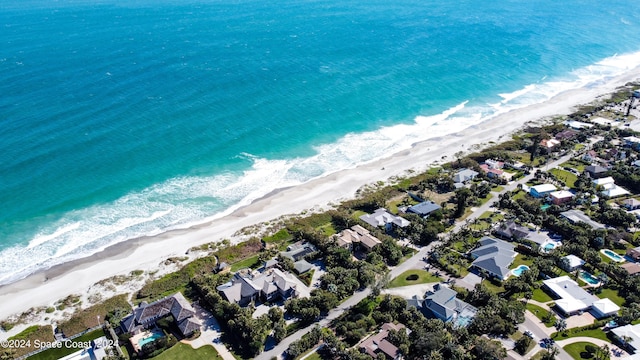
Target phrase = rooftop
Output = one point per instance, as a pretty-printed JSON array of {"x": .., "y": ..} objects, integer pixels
[
  {"x": 572, "y": 297},
  {"x": 578, "y": 216}
]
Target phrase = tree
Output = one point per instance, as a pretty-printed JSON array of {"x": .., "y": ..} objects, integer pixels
[
  {"x": 561, "y": 325},
  {"x": 486, "y": 349},
  {"x": 523, "y": 344}
]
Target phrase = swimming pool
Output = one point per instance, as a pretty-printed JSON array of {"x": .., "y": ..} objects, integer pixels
[
  {"x": 550, "y": 245},
  {"x": 151, "y": 338},
  {"x": 588, "y": 278},
  {"x": 519, "y": 270},
  {"x": 612, "y": 255}
]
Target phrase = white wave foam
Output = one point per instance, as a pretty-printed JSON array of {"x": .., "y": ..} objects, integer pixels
[{"x": 186, "y": 201}]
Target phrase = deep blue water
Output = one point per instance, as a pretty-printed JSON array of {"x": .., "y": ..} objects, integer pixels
[{"x": 125, "y": 118}]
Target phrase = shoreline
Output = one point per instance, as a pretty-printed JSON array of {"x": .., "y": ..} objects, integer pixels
[{"x": 45, "y": 287}]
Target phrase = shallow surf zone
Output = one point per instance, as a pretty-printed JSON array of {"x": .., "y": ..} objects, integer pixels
[{"x": 187, "y": 201}]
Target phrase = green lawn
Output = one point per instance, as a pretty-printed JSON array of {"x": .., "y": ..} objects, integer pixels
[
  {"x": 423, "y": 278},
  {"x": 540, "y": 313},
  {"x": 498, "y": 188},
  {"x": 576, "y": 348},
  {"x": 540, "y": 296},
  {"x": 612, "y": 295},
  {"x": 519, "y": 195},
  {"x": 575, "y": 164},
  {"x": 184, "y": 351},
  {"x": 54, "y": 354},
  {"x": 522, "y": 260},
  {"x": 569, "y": 178},
  {"x": 578, "y": 147},
  {"x": 494, "y": 288},
  {"x": 251, "y": 262},
  {"x": 594, "y": 333}
]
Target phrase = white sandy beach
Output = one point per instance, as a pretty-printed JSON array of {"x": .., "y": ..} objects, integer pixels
[{"x": 44, "y": 288}]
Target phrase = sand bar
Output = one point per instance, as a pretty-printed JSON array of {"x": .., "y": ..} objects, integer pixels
[{"x": 44, "y": 288}]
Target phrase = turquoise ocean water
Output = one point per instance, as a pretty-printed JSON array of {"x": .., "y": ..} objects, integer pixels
[{"x": 127, "y": 118}]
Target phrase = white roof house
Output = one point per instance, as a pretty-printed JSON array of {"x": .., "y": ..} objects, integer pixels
[
  {"x": 631, "y": 331},
  {"x": 609, "y": 187},
  {"x": 541, "y": 190},
  {"x": 561, "y": 196},
  {"x": 572, "y": 298},
  {"x": 382, "y": 217},
  {"x": 572, "y": 263},
  {"x": 604, "y": 307}
]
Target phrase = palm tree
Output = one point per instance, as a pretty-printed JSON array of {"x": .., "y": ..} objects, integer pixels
[{"x": 561, "y": 325}]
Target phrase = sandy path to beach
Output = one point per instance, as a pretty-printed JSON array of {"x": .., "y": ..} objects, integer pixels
[{"x": 43, "y": 289}]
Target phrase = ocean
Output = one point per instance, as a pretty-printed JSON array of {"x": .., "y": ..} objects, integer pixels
[{"x": 125, "y": 118}]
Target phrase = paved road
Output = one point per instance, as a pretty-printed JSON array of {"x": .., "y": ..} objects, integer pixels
[{"x": 410, "y": 263}]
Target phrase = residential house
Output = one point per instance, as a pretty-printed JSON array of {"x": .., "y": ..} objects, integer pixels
[
  {"x": 578, "y": 125},
  {"x": 493, "y": 257},
  {"x": 609, "y": 188},
  {"x": 590, "y": 156},
  {"x": 636, "y": 163},
  {"x": 571, "y": 263},
  {"x": 302, "y": 266},
  {"x": 93, "y": 350},
  {"x": 424, "y": 209},
  {"x": 561, "y": 197},
  {"x": 549, "y": 145},
  {"x": 464, "y": 175},
  {"x": 298, "y": 251},
  {"x": 270, "y": 285},
  {"x": 378, "y": 343},
  {"x": 382, "y": 218},
  {"x": 566, "y": 135},
  {"x": 542, "y": 190},
  {"x": 631, "y": 268},
  {"x": 629, "y": 336},
  {"x": 632, "y": 141},
  {"x": 631, "y": 204},
  {"x": 443, "y": 304},
  {"x": 511, "y": 230},
  {"x": 571, "y": 298},
  {"x": 357, "y": 236},
  {"x": 603, "y": 308},
  {"x": 146, "y": 315},
  {"x": 492, "y": 172},
  {"x": 577, "y": 216},
  {"x": 634, "y": 253},
  {"x": 494, "y": 164},
  {"x": 596, "y": 171}
]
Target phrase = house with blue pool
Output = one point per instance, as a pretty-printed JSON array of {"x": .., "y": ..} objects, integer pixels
[
  {"x": 443, "y": 304},
  {"x": 493, "y": 257}
]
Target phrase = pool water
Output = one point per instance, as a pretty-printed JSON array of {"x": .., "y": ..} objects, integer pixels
[
  {"x": 587, "y": 277},
  {"x": 550, "y": 246},
  {"x": 151, "y": 338},
  {"x": 612, "y": 255},
  {"x": 519, "y": 270}
]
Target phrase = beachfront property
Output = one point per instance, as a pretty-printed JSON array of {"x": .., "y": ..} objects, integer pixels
[
  {"x": 510, "y": 230},
  {"x": 145, "y": 315},
  {"x": 493, "y": 173},
  {"x": 609, "y": 188},
  {"x": 578, "y": 125},
  {"x": 567, "y": 134},
  {"x": 424, "y": 209},
  {"x": 542, "y": 190},
  {"x": 493, "y": 257},
  {"x": 271, "y": 285},
  {"x": 464, "y": 175},
  {"x": 571, "y": 263},
  {"x": 577, "y": 216},
  {"x": 357, "y": 236},
  {"x": 382, "y": 218},
  {"x": 443, "y": 304},
  {"x": 549, "y": 145},
  {"x": 560, "y": 197},
  {"x": 378, "y": 343},
  {"x": 298, "y": 251}
]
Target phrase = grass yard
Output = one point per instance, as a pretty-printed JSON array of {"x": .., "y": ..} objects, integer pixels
[
  {"x": 251, "y": 262},
  {"x": 522, "y": 260},
  {"x": 612, "y": 295},
  {"x": 540, "y": 296},
  {"x": 519, "y": 195},
  {"x": 576, "y": 349},
  {"x": 593, "y": 333},
  {"x": 493, "y": 287},
  {"x": 406, "y": 278},
  {"x": 541, "y": 313},
  {"x": 569, "y": 178},
  {"x": 54, "y": 354},
  {"x": 184, "y": 351}
]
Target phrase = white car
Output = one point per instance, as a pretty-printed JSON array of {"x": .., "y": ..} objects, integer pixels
[{"x": 529, "y": 334}]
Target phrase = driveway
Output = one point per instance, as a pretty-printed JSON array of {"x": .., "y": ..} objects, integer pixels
[{"x": 210, "y": 334}]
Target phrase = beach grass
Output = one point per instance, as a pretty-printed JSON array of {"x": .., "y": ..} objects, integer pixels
[
  {"x": 184, "y": 351},
  {"x": 413, "y": 277},
  {"x": 91, "y": 316},
  {"x": 251, "y": 262}
]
